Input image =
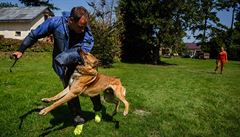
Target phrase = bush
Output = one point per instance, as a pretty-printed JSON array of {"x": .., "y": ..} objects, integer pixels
[
  {"x": 106, "y": 43},
  {"x": 234, "y": 52},
  {"x": 8, "y": 44}
]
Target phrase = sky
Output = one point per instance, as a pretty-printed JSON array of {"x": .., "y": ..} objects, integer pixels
[{"x": 66, "y": 5}]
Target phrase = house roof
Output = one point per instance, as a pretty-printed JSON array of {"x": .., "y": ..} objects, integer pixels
[
  {"x": 22, "y": 14},
  {"x": 192, "y": 46}
]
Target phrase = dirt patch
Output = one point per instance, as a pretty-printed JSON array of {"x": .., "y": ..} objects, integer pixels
[{"x": 141, "y": 112}]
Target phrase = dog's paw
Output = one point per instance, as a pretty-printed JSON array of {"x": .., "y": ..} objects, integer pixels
[
  {"x": 125, "y": 113},
  {"x": 45, "y": 100},
  {"x": 43, "y": 112}
]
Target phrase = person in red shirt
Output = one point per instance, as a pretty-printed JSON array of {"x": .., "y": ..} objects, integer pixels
[{"x": 221, "y": 60}]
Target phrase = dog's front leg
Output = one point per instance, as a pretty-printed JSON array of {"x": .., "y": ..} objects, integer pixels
[
  {"x": 61, "y": 101},
  {"x": 56, "y": 97},
  {"x": 73, "y": 92}
]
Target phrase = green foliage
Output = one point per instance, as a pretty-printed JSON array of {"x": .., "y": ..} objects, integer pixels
[
  {"x": 148, "y": 25},
  {"x": 234, "y": 5},
  {"x": 185, "y": 99},
  {"x": 206, "y": 21},
  {"x": 7, "y": 44},
  {"x": 135, "y": 36},
  {"x": 216, "y": 43},
  {"x": 39, "y": 3},
  {"x": 236, "y": 31},
  {"x": 222, "y": 39},
  {"x": 106, "y": 47},
  {"x": 7, "y": 4},
  {"x": 107, "y": 43},
  {"x": 234, "y": 52},
  {"x": 227, "y": 37}
]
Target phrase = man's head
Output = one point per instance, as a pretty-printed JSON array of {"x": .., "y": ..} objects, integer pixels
[
  {"x": 78, "y": 19},
  {"x": 222, "y": 48}
]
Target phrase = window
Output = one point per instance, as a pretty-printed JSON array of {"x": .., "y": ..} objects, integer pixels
[{"x": 18, "y": 33}]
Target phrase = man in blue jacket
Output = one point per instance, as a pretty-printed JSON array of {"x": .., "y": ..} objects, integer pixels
[{"x": 70, "y": 34}]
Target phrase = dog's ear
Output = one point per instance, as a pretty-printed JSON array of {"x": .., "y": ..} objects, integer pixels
[
  {"x": 83, "y": 55},
  {"x": 93, "y": 60}
]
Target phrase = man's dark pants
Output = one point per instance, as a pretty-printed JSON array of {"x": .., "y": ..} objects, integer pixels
[{"x": 74, "y": 104}]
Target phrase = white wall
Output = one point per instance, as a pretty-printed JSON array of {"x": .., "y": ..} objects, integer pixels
[{"x": 8, "y": 29}]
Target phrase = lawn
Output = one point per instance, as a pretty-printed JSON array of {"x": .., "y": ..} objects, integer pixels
[{"x": 183, "y": 98}]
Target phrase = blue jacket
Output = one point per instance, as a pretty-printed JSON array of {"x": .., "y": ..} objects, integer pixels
[{"x": 65, "y": 52}]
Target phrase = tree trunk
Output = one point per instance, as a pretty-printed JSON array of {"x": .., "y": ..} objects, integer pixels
[
  {"x": 231, "y": 30},
  {"x": 156, "y": 55}
]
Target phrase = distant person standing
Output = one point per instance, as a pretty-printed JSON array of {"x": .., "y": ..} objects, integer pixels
[{"x": 221, "y": 60}]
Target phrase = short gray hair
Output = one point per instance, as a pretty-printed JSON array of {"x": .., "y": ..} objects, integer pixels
[{"x": 78, "y": 12}]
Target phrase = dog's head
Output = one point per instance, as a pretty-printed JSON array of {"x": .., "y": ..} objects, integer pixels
[{"x": 89, "y": 59}]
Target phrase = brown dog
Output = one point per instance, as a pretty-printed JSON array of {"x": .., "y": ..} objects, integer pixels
[{"x": 87, "y": 81}]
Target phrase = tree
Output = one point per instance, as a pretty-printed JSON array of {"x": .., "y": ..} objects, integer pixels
[
  {"x": 107, "y": 43},
  {"x": 39, "y": 3},
  {"x": 236, "y": 30},
  {"x": 134, "y": 35},
  {"x": 229, "y": 36},
  {"x": 206, "y": 22},
  {"x": 8, "y": 4},
  {"x": 150, "y": 24},
  {"x": 235, "y": 6}
]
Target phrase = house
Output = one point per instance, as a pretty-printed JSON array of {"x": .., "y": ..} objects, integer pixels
[
  {"x": 192, "y": 49},
  {"x": 17, "y": 22}
]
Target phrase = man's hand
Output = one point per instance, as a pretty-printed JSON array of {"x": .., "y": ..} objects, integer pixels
[{"x": 17, "y": 54}]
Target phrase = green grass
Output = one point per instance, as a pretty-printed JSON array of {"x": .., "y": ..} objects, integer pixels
[{"x": 182, "y": 99}]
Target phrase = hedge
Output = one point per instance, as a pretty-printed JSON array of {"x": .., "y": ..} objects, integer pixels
[{"x": 8, "y": 44}]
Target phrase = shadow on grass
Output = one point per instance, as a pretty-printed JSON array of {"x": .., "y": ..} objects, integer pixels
[
  {"x": 109, "y": 118},
  {"x": 63, "y": 119},
  {"x": 161, "y": 63},
  {"x": 26, "y": 114},
  {"x": 166, "y": 64},
  {"x": 214, "y": 73}
]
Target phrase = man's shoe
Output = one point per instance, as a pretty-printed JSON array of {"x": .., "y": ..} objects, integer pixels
[
  {"x": 98, "y": 117},
  {"x": 78, "y": 130}
]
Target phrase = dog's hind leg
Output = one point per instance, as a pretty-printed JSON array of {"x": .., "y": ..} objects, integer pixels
[
  {"x": 117, "y": 103},
  {"x": 120, "y": 93},
  {"x": 56, "y": 97},
  {"x": 110, "y": 98}
]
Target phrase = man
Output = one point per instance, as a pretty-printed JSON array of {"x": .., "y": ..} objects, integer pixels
[
  {"x": 70, "y": 34},
  {"x": 221, "y": 60}
]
